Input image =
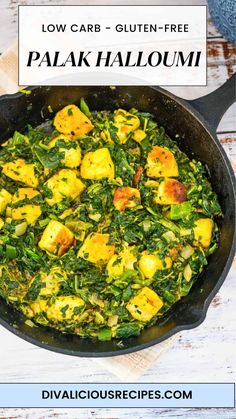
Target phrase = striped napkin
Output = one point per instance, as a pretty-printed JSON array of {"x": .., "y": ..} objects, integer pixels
[{"x": 126, "y": 367}]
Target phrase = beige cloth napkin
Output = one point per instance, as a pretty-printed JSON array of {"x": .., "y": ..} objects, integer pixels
[
  {"x": 126, "y": 367},
  {"x": 131, "y": 367}
]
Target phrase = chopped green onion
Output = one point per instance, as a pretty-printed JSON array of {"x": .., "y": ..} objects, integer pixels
[
  {"x": 104, "y": 334},
  {"x": 20, "y": 229},
  {"x": 10, "y": 251},
  {"x": 169, "y": 296},
  {"x": 187, "y": 273},
  {"x": 187, "y": 251},
  {"x": 84, "y": 107},
  {"x": 179, "y": 211},
  {"x": 169, "y": 224},
  {"x": 169, "y": 236},
  {"x": 33, "y": 255}
]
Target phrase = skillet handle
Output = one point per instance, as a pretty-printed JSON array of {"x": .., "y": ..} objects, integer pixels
[{"x": 213, "y": 106}]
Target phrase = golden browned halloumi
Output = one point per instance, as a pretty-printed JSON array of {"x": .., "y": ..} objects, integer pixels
[
  {"x": 65, "y": 307},
  {"x": 125, "y": 122},
  {"x": 170, "y": 191},
  {"x": 65, "y": 183},
  {"x": 5, "y": 199},
  {"x": 121, "y": 262},
  {"x": 24, "y": 193},
  {"x": 97, "y": 165},
  {"x": 144, "y": 305},
  {"x": 30, "y": 213},
  {"x": 49, "y": 282},
  {"x": 149, "y": 263},
  {"x": 36, "y": 308},
  {"x": 21, "y": 171},
  {"x": 56, "y": 238},
  {"x": 96, "y": 248},
  {"x": 71, "y": 121},
  {"x": 72, "y": 156},
  {"x": 203, "y": 232},
  {"x": 161, "y": 163},
  {"x": 126, "y": 197}
]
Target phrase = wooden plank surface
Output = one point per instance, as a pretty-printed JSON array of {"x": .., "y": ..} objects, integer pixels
[
  {"x": 203, "y": 354},
  {"x": 119, "y": 414}
]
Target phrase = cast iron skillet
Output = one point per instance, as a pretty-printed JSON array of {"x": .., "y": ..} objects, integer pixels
[{"x": 197, "y": 138}]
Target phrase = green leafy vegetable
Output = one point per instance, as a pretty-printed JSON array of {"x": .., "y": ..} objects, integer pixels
[
  {"x": 179, "y": 211},
  {"x": 154, "y": 256}
]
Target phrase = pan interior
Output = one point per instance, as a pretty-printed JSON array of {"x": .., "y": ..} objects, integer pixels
[{"x": 193, "y": 137}]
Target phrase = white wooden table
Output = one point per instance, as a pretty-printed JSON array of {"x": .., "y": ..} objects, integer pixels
[{"x": 201, "y": 355}]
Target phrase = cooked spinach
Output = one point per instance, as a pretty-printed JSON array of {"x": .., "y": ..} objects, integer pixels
[{"x": 105, "y": 223}]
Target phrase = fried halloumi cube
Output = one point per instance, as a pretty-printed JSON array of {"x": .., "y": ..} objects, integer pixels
[
  {"x": 149, "y": 263},
  {"x": 21, "y": 171},
  {"x": 71, "y": 121},
  {"x": 65, "y": 307},
  {"x": 126, "y": 122},
  {"x": 144, "y": 305},
  {"x": 72, "y": 155},
  {"x": 36, "y": 308},
  {"x": 24, "y": 193},
  {"x": 126, "y": 197},
  {"x": 65, "y": 183},
  {"x": 161, "y": 163},
  {"x": 121, "y": 262},
  {"x": 96, "y": 248},
  {"x": 30, "y": 213},
  {"x": 170, "y": 191},
  {"x": 5, "y": 199},
  {"x": 48, "y": 284},
  {"x": 203, "y": 232},
  {"x": 97, "y": 165},
  {"x": 56, "y": 238}
]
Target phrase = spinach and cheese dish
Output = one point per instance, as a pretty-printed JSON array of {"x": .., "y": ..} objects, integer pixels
[{"x": 104, "y": 222}]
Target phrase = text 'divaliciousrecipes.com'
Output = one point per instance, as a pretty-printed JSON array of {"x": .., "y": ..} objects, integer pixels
[{"x": 117, "y": 395}]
